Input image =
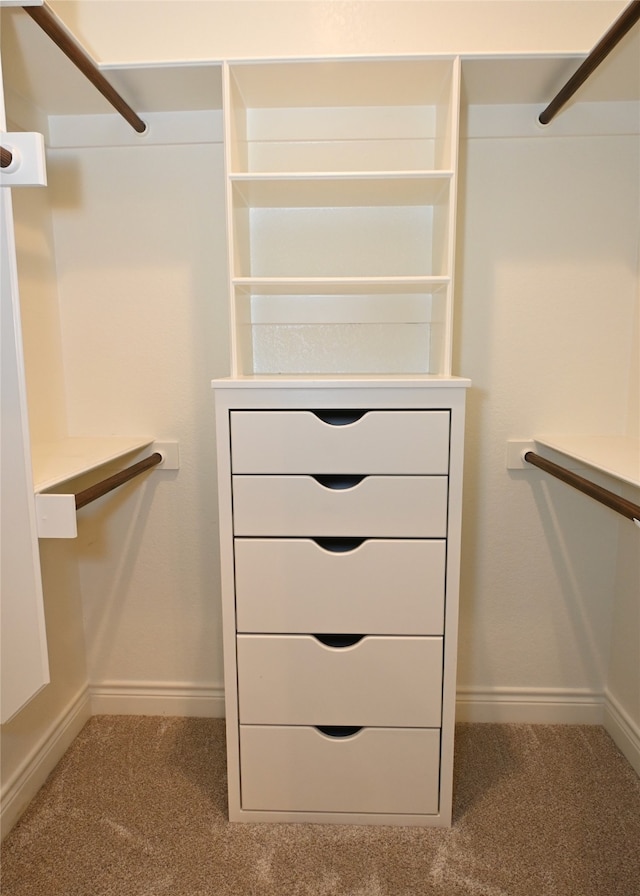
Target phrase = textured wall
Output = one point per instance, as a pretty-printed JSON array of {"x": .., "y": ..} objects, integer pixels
[
  {"x": 547, "y": 298},
  {"x": 141, "y": 256}
]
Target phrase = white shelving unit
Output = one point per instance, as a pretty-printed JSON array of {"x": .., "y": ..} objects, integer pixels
[
  {"x": 341, "y": 196},
  {"x": 341, "y": 203}
]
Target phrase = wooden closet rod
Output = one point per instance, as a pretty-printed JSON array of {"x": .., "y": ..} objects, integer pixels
[
  {"x": 627, "y": 508},
  {"x": 6, "y": 157},
  {"x": 614, "y": 35},
  {"x": 106, "y": 485},
  {"x": 52, "y": 26}
]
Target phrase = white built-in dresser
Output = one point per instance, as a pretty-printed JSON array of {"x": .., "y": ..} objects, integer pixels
[{"x": 340, "y": 440}]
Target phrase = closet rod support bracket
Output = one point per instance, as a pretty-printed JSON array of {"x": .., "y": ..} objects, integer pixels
[
  {"x": 170, "y": 455},
  {"x": 56, "y": 513},
  {"x": 56, "y": 516},
  {"x": 27, "y": 167},
  {"x": 516, "y": 450}
]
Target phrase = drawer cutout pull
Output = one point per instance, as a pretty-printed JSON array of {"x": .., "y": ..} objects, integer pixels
[
  {"x": 340, "y": 417},
  {"x": 338, "y": 641},
  {"x": 338, "y": 482},
  {"x": 337, "y": 731},
  {"x": 339, "y": 545}
]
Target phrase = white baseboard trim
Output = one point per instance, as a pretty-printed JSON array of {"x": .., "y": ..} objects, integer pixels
[
  {"x": 534, "y": 706},
  {"x": 160, "y": 698},
  {"x": 623, "y": 730},
  {"x": 28, "y": 778},
  {"x": 541, "y": 706}
]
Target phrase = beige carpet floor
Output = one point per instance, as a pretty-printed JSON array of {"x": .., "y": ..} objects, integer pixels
[{"x": 137, "y": 807}]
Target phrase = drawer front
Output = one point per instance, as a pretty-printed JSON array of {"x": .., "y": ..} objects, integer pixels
[
  {"x": 378, "y": 442},
  {"x": 378, "y": 586},
  {"x": 376, "y": 770},
  {"x": 378, "y": 506},
  {"x": 300, "y": 680}
]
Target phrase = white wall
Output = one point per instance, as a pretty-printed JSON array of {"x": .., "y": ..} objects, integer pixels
[
  {"x": 40, "y": 318},
  {"x": 547, "y": 299},
  {"x": 141, "y": 257}
]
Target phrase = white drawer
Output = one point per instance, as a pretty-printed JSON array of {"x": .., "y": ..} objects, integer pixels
[
  {"x": 378, "y": 587},
  {"x": 378, "y": 506},
  {"x": 381, "y": 442},
  {"x": 300, "y": 680},
  {"x": 383, "y": 770}
]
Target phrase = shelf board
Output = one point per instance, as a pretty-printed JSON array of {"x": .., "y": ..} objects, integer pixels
[
  {"x": 57, "y": 462},
  {"x": 390, "y": 188},
  {"x": 618, "y": 456},
  {"x": 347, "y": 380},
  {"x": 335, "y": 286}
]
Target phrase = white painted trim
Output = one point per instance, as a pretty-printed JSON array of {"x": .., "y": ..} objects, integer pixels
[
  {"x": 500, "y": 705},
  {"x": 157, "y": 698},
  {"x": 542, "y": 706},
  {"x": 622, "y": 729},
  {"x": 521, "y": 120},
  {"x": 163, "y": 128},
  {"x": 28, "y": 778}
]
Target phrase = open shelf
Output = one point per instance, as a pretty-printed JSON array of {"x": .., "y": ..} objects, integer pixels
[
  {"x": 618, "y": 456},
  {"x": 341, "y": 241},
  {"x": 55, "y": 463},
  {"x": 357, "y": 326},
  {"x": 341, "y": 194},
  {"x": 338, "y": 115}
]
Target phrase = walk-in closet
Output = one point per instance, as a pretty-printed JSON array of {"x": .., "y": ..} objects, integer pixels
[{"x": 352, "y": 305}]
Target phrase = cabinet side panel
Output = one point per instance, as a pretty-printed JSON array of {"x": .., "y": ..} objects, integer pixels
[
  {"x": 452, "y": 590},
  {"x": 227, "y": 578}
]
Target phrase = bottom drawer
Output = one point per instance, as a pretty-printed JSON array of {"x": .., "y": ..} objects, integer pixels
[{"x": 302, "y": 769}]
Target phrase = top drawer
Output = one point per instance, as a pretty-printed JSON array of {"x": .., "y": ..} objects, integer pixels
[{"x": 369, "y": 442}]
